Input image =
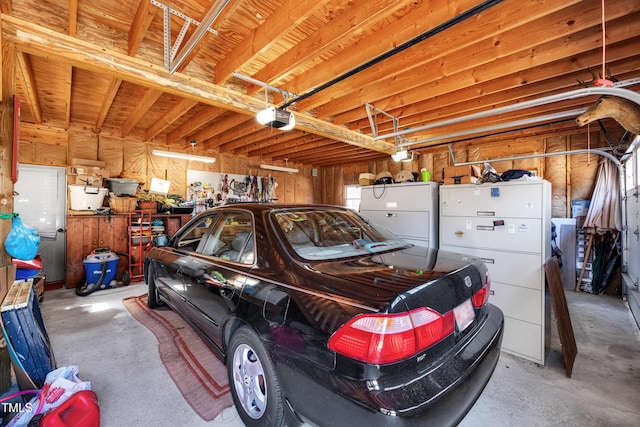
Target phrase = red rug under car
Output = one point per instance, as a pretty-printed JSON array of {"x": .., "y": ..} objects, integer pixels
[{"x": 196, "y": 370}]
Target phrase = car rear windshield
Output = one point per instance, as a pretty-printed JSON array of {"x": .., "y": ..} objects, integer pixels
[{"x": 327, "y": 234}]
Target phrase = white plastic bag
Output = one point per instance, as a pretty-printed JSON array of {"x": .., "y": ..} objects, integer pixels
[{"x": 59, "y": 386}]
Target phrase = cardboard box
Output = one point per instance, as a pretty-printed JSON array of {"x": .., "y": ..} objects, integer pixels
[
  {"x": 453, "y": 171},
  {"x": 366, "y": 179},
  {"x": 579, "y": 208},
  {"x": 466, "y": 179}
]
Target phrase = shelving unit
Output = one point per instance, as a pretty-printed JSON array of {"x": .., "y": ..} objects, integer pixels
[
  {"x": 88, "y": 232},
  {"x": 140, "y": 240}
]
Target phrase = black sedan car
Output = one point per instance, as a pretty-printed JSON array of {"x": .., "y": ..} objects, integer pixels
[{"x": 326, "y": 318}]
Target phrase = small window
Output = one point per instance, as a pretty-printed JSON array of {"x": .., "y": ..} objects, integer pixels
[
  {"x": 231, "y": 238},
  {"x": 352, "y": 197}
]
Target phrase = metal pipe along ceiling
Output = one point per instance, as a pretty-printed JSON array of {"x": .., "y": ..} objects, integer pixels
[{"x": 618, "y": 90}]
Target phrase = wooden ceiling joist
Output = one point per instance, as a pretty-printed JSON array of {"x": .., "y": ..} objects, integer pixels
[
  {"x": 36, "y": 40},
  {"x": 30, "y": 85}
]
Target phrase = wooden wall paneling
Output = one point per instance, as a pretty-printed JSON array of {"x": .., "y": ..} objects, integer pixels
[
  {"x": 43, "y": 154},
  {"x": 440, "y": 161},
  {"x": 461, "y": 155},
  {"x": 43, "y": 134},
  {"x": 286, "y": 187},
  {"x": 110, "y": 150},
  {"x": 304, "y": 192},
  {"x": 425, "y": 161},
  {"x": 473, "y": 153},
  {"x": 584, "y": 167},
  {"x": 317, "y": 185},
  {"x": 241, "y": 166},
  {"x": 328, "y": 188},
  {"x": 339, "y": 185},
  {"x": 82, "y": 146},
  {"x": 555, "y": 172}
]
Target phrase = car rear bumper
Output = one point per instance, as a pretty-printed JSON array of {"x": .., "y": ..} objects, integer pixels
[{"x": 322, "y": 406}]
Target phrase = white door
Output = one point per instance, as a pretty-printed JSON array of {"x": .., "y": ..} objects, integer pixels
[
  {"x": 41, "y": 203},
  {"x": 633, "y": 217}
]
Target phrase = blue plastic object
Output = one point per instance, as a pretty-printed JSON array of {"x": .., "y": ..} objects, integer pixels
[{"x": 24, "y": 329}]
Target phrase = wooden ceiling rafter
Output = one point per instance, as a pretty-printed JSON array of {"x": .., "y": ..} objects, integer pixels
[
  {"x": 107, "y": 102},
  {"x": 73, "y": 29},
  {"x": 240, "y": 135},
  {"x": 287, "y": 141},
  {"x": 37, "y": 40},
  {"x": 485, "y": 67},
  {"x": 228, "y": 121},
  {"x": 140, "y": 25},
  {"x": 432, "y": 58},
  {"x": 512, "y": 51},
  {"x": 180, "y": 108},
  {"x": 301, "y": 147},
  {"x": 378, "y": 43},
  {"x": 142, "y": 107},
  {"x": 474, "y": 99},
  {"x": 351, "y": 23},
  {"x": 290, "y": 14},
  {"x": 29, "y": 81},
  {"x": 189, "y": 127}
]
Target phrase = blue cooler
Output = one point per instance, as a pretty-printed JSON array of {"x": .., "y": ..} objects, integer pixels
[{"x": 93, "y": 268}]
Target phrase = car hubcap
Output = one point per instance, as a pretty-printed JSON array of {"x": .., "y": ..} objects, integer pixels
[{"x": 249, "y": 381}]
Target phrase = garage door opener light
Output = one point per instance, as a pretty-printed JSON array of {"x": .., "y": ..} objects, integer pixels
[
  {"x": 276, "y": 118},
  {"x": 402, "y": 156}
]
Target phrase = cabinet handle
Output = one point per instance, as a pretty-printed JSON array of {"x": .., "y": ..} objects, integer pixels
[
  {"x": 489, "y": 260},
  {"x": 389, "y": 215},
  {"x": 492, "y": 292},
  {"x": 485, "y": 227},
  {"x": 485, "y": 213}
]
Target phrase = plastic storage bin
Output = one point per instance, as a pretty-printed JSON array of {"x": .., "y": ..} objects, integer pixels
[
  {"x": 86, "y": 197},
  {"x": 122, "y": 187}
]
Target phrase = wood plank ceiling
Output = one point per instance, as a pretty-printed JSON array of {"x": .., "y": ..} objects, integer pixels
[{"x": 102, "y": 66}]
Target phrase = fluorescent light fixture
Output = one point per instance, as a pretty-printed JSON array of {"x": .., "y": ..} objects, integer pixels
[
  {"x": 402, "y": 156},
  {"x": 182, "y": 156},
  {"x": 276, "y": 118},
  {"x": 279, "y": 168}
]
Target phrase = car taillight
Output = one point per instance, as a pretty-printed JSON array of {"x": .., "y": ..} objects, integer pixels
[
  {"x": 481, "y": 297},
  {"x": 388, "y": 338}
]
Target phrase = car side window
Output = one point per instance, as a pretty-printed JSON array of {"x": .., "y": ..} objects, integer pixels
[
  {"x": 192, "y": 238},
  {"x": 231, "y": 238}
]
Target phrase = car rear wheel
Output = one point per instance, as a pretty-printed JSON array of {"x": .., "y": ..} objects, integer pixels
[
  {"x": 253, "y": 382},
  {"x": 153, "y": 299}
]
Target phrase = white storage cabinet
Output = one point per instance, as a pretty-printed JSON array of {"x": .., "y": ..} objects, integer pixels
[
  {"x": 508, "y": 225},
  {"x": 408, "y": 209}
]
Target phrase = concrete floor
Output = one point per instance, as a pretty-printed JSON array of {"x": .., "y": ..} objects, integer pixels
[{"x": 120, "y": 358}]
